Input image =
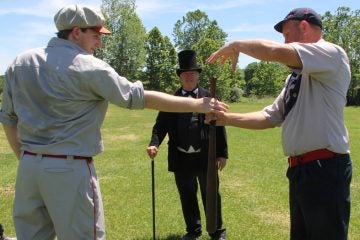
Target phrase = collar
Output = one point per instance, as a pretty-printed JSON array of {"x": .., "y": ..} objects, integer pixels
[{"x": 193, "y": 93}]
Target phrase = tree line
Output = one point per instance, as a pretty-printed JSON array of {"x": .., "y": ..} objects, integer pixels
[{"x": 152, "y": 57}]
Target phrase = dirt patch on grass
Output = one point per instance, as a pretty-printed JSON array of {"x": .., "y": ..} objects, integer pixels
[
  {"x": 122, "y": 137},
  {"x": 275, "y": 217},
  {"x": 7, "y": 191}
]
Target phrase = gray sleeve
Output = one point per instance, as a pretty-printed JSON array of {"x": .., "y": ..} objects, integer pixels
[
  {"x": 7, "y": 114},
  {"x": 319, "y": 58},
  {"x": 274, "y": 112},
  {"x": 120, "y": 91},
  {"x": 103, "y": 81}
]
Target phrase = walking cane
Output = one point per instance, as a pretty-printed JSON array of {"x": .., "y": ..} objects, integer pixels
[{"x": 153, "y": 195}]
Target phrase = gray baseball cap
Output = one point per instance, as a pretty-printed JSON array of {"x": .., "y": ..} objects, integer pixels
[{"x": 75, "y": 15}]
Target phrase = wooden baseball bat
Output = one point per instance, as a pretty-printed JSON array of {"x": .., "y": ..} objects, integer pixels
[{"x": 212, "y": 173}]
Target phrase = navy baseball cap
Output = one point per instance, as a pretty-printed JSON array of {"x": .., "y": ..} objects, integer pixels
[{"x": 306, "y": 14}]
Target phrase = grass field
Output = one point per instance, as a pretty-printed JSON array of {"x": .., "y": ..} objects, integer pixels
[{"x": 253, "y": 185}]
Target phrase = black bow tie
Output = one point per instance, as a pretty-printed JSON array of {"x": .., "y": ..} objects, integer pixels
[{"x": 192, "y": 93}]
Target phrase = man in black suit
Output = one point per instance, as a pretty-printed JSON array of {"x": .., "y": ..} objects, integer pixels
[{"x": 188, "y": 148}]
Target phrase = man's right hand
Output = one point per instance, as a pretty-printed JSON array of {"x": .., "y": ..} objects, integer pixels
[
  {"x": 212, "y": 105},
  {"x": 152, "y": 151},
  {"x": 219, "y": 117}
]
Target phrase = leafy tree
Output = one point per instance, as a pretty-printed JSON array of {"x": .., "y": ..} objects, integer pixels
[
  {"x": 267, "y": 78},
  {"x": 249, "y": 73},
  {"x": 171, "y": 80},
  {"x": 160, "y": 70},
  {"x": 188, "y": 31},
  {"x": 2, "y": 79},
  {"x": 155, "y": 55},
  {"x": 235, "y": 93},
  {"x": 195, "y": 31},
  {"x": 343, "y": 28},
  {"x": 124, "y": 49}
]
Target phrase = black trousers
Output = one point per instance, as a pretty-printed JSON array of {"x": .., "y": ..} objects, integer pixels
[
  {"x": 320, "y": 199},
  {"x": 187, "y": 184}
]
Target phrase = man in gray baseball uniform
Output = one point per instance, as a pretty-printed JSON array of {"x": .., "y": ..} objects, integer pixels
[
  {"x": 310, "y": 110},
  {"x": 54, "y": 103}
]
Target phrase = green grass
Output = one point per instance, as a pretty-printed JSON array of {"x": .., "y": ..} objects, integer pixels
[{"x": 253, "y": 184}]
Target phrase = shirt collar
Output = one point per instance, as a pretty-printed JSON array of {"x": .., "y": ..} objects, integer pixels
[{"x": 194, "y": 91}]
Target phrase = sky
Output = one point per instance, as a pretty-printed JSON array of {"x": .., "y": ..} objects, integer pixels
[{"x": 28, "y": 24}]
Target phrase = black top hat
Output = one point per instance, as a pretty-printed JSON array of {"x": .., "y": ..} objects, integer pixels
[
  {"x": 307, "y": 14},
  {"x": 187, "y": 62}
]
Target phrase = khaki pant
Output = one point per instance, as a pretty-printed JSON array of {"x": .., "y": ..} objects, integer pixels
[{"x": 57, "y": 197}]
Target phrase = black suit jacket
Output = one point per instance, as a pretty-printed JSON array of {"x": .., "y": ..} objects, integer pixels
[{"x": 167, "y": 123}]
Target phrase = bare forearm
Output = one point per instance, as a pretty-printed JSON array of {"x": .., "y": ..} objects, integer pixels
[
  {"x": 253, "y": 120},
  {"x": 266, "y": 50},
  {"x": 169, "y": 103},
  {"x": 13, "y": 139}
]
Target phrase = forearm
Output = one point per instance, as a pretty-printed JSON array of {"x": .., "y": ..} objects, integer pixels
[
  {"x": 266, "y": 50},
  {"x": 253, "y": 120},
  {"x": 12, "y": 136},
  {"x": 168, "y": 103}
]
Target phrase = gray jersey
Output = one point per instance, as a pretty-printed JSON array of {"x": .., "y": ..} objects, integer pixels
[
  {"x": 310, "y": 107},
  {"x": 58, "y": 96}
]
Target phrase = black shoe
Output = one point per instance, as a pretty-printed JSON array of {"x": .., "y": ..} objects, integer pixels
[
  {"x": 2, "y": 236},
  {"x": 191, "y": 236},
  {"x": 6, "y": 238},
  {"x": 219, "y": 235}
]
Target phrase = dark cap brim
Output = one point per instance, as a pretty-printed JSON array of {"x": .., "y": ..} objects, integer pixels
[
  {"x": 278, "y": 27},
  {"x": 299, "y": 14}
]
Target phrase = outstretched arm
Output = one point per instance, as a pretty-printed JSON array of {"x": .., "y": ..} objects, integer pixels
[
  {"x": 169, "y": 103},
  {"x": 264, "y": 50},
  {"x": 252, "y": 120}
]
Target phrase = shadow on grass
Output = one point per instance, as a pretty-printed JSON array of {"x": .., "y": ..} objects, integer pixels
[{"x": 170, "y": 237}]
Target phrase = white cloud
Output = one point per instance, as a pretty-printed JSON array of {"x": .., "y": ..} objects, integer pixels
[
  {"x": 45, "y": 8},
  {"x": 158, "y": 7},
  {"x": 34, "y": 33}
]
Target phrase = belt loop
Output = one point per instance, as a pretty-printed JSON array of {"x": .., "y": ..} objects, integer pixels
[
  {"x": 39, "y": 157},
  {"x": 318, "y": 162},
  {"x": 69, "y": 159},
  {"x": 21, "y": 154}
]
